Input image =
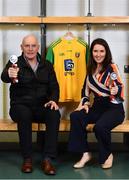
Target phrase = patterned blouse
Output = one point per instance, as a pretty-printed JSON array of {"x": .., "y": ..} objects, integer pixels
[{"x": 100, "y": 84}]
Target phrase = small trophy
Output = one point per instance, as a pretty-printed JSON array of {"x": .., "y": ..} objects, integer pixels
[
  {"x": 13, "y": 59},
  {"x": 113, "y": 77}
]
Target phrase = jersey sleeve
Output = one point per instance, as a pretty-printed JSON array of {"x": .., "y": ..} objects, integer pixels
[
  {"x": 87, "y": 53},
  {"x": 50, "y": 55}
]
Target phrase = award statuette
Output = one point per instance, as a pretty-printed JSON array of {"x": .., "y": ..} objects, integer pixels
[
  {"x": 13, "y": 59},
  {"x": 113, "y": 77}
]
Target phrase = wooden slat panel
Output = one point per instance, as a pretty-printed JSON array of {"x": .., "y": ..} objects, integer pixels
[
  {"x": 8, "y": 125},
  {"x": 62, "y": 20},
  {"x": 124, "y": 127},
  {"x": 92, "y": 19},
  {"x": 20, "y": 19},
  {"x": 65, "y": 126}
]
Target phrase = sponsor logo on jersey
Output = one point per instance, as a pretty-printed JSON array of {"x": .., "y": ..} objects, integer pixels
[
  {"x": 69, "y": 73},
  {"x": 69, "y": 50},
  {"x": 61, "y": 54},
  {"x": 68, "y": 64}
]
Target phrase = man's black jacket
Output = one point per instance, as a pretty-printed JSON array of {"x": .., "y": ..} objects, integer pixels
[{"x": 33, "y": 88}]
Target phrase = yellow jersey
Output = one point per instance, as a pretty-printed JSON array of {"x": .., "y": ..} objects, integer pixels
[{"x": 69, "y": 58}]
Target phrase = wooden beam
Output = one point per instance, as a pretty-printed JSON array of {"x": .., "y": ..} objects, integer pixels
[
  {"x": 92, "y": 19},
  {"x": 20, "y": 19},
  {"x": 65, "y": 20}
]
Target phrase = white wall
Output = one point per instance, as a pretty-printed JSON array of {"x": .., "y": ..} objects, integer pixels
[{"x": 116, "y": 35}]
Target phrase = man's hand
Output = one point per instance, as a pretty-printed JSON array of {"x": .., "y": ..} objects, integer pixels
[
  {"x": 13, "y": 71},
  {"x": 52, "y": 105}
]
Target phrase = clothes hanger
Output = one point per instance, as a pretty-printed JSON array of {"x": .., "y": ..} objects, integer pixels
[{"x": 69, "y": 35}]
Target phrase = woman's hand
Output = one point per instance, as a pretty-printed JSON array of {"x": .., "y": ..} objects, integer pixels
[
  {"x": 80, "y": 107},
  {"x": 114, "y": 90},
  {"x": 86, "y": 107}
]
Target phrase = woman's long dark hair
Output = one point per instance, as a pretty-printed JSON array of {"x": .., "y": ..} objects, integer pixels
[{"x": 92, "y": 65}]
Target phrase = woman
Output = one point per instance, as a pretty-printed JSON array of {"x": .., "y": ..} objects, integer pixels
[{"x": 107, "y": 111}]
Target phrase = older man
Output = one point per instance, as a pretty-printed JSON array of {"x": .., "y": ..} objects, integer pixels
[{"x": 34, "y": 97}]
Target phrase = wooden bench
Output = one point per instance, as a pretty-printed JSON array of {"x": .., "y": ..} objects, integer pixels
[{"x": 7, "y": 125}]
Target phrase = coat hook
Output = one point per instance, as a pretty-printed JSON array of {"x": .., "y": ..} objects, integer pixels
[{"x": 68, "y": 27}]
